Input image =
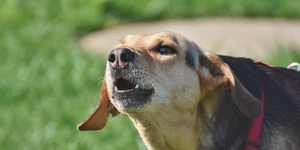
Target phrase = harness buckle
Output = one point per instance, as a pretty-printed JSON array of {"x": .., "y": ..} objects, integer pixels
[{"x": 294, "y": 64}]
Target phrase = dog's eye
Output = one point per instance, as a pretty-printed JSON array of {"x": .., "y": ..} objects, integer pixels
[{"x": 166, "y": 50}]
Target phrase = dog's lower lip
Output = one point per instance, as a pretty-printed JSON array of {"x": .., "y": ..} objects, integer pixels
[
  {"x": 138, "y": 95},
  {"x": 117, "y": 90}
]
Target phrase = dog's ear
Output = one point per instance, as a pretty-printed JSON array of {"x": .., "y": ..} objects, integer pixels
[
  {"x": 97, "y": 120},
  {"x": 213, "y": 73}
]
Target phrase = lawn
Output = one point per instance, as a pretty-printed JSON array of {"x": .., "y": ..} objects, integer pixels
[{"x": 48, "y": 85}]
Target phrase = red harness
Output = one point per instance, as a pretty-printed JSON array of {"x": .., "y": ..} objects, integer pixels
[
  {"x": 253, "y": 136},
  {"x": 254, "y": 132}
]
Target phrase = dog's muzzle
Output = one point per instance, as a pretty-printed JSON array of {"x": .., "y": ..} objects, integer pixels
[{"x": 127, "y": 93}]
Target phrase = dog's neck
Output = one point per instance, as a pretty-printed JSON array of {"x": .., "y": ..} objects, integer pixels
[
  {"x": 173, "y": 131},
  {"x": 223, "y": 126},
  {"x": 204, "y": 128}
]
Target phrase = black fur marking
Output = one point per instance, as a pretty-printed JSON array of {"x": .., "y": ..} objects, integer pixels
[{"x": 189, "y": 59}]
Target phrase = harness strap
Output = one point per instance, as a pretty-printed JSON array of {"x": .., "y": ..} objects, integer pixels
[{"x": 254, "y": 132}]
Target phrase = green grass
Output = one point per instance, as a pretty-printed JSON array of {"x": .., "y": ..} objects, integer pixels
[
  {"x": 48, "y": 85},
  {"x": 283, "y": 56}
]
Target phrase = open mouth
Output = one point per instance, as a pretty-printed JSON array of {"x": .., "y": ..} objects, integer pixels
[
  {"x": 123, "y": 86},
  {"x": 129, "y": 94}
]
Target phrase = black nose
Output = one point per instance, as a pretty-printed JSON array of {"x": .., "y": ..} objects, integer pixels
[{"x": 119, "y": 58}]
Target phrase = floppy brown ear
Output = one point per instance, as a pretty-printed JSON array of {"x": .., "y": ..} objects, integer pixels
[
  {"x": 213, "y": 72},
  {"x": 97, "y": 120}
]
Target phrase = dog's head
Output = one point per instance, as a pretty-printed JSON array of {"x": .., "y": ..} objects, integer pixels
[{"x": 163, "y": 73}]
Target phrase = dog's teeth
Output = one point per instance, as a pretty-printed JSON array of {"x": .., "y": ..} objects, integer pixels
[{"x": 137, "y": 86}]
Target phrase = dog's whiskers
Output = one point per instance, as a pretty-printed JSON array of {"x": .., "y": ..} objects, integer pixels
[
  {"x": 101, "y": 78},
  {"x": 101, "y": 81}
]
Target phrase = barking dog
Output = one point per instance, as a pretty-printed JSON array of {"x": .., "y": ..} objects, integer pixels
[{"x": 181, "y": 97}]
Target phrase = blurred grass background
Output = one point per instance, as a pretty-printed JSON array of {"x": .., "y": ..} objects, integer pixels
[{"x": 48, "y": 85}]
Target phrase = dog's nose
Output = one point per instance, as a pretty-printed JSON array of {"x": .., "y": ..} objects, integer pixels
[{"x": 119, "y": 58}]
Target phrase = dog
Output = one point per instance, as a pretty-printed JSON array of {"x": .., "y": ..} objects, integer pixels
[{"x": 181, "y": 97}]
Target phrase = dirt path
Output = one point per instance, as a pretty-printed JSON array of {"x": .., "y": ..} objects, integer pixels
[{"x": 253, "y": 38}]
